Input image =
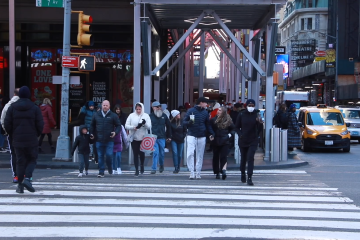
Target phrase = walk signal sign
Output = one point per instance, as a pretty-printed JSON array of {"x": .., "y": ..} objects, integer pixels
[
  {"x": 87, "y": 63},
  {"x": 83, "y": 38}
]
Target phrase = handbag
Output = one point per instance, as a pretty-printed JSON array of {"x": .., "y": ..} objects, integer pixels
[{"x": 148, "y": 143}]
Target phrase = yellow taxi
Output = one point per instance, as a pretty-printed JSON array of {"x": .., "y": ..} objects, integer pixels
[{"x": 323, "y": 127}]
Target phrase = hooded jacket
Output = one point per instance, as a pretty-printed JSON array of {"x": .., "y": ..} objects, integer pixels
[
  {"x": 202, "y": 122},
  {"x": 248, "y": 128},
  {"x": 101, "y": 127},
  {"x": 134, "y": 119},
  {"x": 6, "y": 107},
  {"x": 48, "y": 118},
  {"x": 24, "y": 122},
  {"x": 87, "y": 114},
  {"x": 82, "y": 142}
]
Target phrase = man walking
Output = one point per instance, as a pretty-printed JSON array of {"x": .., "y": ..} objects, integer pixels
[
  {"x": 11, "y": 147},
  {"x": 198, "y": 124},
  {"x": 104, "y": 126},
  {"x": 24, "y": 122},
  {"x": 159, "y": 121}
]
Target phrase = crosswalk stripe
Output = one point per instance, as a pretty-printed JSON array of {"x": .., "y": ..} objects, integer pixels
[
  {"x": 188, "y": 196},
  {"x": 187, "y": 203},
  {"x": 171, "y": 233},
  {"x": 231, "y": 222},
  {"x": 183, "y": 211}
]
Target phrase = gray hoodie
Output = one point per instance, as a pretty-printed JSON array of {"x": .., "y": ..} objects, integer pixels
[{"x": 4, "y": 111}]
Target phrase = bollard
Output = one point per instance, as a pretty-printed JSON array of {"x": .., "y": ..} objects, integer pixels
[
  {"x": 185, "y": 153},
  {"x": 283, "y": 145},
  {"x": 237, "y": 154},
  {"x": 75, "y": 134},
  {"x": 275, "y": 145}
]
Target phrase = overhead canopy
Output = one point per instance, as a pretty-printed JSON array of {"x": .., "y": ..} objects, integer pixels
[{"x": 236, "y": 14}]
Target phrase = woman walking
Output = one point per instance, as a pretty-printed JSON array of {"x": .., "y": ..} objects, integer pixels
[
  {"x": 49, "y": 122},
  {"x": 138, "y": 123},
  {"x": 177, "y": 141},
  {"x": 223, "y": 127},
  {"x": 248, "y": 125}
]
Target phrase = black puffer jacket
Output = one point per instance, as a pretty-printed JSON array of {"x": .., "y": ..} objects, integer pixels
[
  {"x": 82, "y": 142},
  {"x": 178, "y": 132},
  {"x": 221, "y": 135},
  {"x": 24, "y": 122},
  {"x": 248, "y": 128},
  {"x": 101, "y": 127}
]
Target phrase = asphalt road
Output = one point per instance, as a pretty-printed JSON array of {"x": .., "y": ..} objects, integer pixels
[{"x": 318, "y": 201}]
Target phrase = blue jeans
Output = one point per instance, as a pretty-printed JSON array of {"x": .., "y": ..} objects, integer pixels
[
  {"x": 177, "y": 151},
  {"x": 116, "y": 160},
  {"x": 83, "y": 161},
  {"x": 105, "y": 149},
  {"x": 158, "y": 154}
]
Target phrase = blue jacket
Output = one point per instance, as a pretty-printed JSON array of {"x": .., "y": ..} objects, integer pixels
[
  {"x": 88, "y": 114},
  {"x": 202, "y": 122},
  {"x": 158, "y": 126}
]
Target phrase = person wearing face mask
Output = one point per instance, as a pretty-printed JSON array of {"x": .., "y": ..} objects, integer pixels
[
  {"x": 294, "y": 139},
  {"x": 248, "y": 125}
]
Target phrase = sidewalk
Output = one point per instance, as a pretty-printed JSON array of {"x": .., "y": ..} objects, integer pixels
[{"x": 45, "y": 161}]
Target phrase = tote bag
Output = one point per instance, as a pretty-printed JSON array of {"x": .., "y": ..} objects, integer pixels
[{"x": 148, "y": 143}]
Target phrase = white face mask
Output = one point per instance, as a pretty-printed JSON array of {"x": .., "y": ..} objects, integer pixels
[{"x": 250, "y": 109}]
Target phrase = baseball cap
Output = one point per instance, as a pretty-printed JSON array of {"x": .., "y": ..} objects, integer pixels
[
  {"x": 202, "y": 99},
  {"x": 155, "y": 104}
]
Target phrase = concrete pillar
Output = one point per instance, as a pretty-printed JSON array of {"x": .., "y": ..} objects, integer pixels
[{"x": 137, "y": 53}]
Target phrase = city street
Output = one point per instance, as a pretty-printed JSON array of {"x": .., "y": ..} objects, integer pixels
[{"x": 318, "y": 201}]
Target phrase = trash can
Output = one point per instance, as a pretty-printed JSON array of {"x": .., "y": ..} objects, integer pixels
[{"x": 75, "y": 134}]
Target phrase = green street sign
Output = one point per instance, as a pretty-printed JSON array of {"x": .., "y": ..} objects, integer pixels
[{"x": 50, "y": 3}]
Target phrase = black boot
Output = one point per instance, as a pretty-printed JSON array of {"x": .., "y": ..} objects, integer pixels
[
  {"x": 223, "y": 174},
  {"x": 161, "y": 169},
  {"x": 27, "y": 184},
  {"x": 217, "y": 176},
  {"x": 20, "y": 188},
  {"x": 249, "y": 181},
  {"x": 142, "y": 169},
  {"x": 175, "y": 170},
  {"x": 136, "y": 173},
  {"x": 243, "y": 178}
]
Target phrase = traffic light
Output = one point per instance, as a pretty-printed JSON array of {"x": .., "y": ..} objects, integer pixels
[{"x": 83, "y": 38}]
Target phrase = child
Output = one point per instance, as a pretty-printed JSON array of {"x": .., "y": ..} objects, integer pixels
[
  {"x": 82, "y": 143},
  {"x": 118, "y": 147}
]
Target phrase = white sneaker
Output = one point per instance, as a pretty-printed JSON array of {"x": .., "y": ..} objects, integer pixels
[
  {"x": 192, "y": 176},
  {"x": 198, "y": 177},
  {"x": 80, "y": 175},
  {"x": 166, "y": 150},
  {"x": 114, "y": 172},
  {"x": 86, "y": 172},
  {"x": 119, "y": 171}
]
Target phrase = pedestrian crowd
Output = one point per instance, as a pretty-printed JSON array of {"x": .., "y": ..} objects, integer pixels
[{"x": 104, "y": 134}]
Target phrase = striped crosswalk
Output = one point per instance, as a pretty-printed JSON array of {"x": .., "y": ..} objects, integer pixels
[{"x": 283, "y": 204}]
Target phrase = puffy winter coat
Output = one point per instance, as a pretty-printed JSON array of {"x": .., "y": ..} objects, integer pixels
[
  {"x": 178, "y": 132},
  {"x": 101, "y": 127},
  {"x": 48, "y": 118},
  {"x": 222, "y": 135},
  {"x": 248, "y": 128},
  {"x": 87, "y": 115},
  {"x": 24, "y": 122},
  {"x": 202, "y": 122},
  {"x": 133, "y": 120},
  {"x": 82, "y": 142}
]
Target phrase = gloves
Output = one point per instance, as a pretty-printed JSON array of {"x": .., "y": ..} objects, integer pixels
[
  {"x": 229, "y": 135},
  {"x": 139, "y": 126},
  {"x": 143, "y": 122}
]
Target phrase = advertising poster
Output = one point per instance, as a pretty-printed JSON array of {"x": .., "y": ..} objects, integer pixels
[
  {"x": 77, "y": 96},
  {"x": 284, "y": 60},
  {"x": 2, "y": 66},
  {"x": 44, "y": 55},
  {"x": 125, "y": 80}
]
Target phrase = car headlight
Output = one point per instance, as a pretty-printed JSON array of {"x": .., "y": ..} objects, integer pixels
[
  {"x": 310, "y": 132},
  {"x": 344, "y": 132}
]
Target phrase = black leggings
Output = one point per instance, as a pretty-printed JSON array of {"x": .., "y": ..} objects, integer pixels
[
  {"x": 49, "y": 139},
  {"x": 136, "y": 151},
  {"x": 219, "y": 157}
]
